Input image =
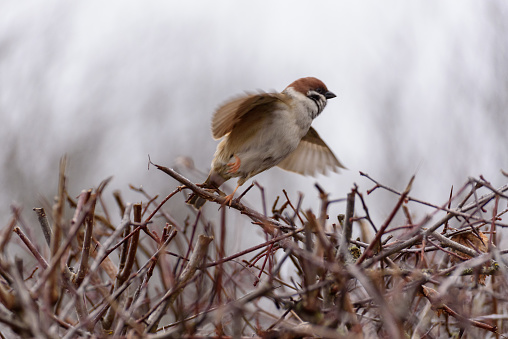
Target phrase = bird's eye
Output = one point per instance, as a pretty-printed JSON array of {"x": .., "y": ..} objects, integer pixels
[{"x": 320, "y": 90}]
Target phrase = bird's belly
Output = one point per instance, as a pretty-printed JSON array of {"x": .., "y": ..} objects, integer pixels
[
  {"x": 259, "y": 151},
  {"x": 267, "y": 150}
]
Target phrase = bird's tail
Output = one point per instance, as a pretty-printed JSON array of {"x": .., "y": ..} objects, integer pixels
[
  {"x": 196, "y": 201},
  {"x": 213, "y": 181}
]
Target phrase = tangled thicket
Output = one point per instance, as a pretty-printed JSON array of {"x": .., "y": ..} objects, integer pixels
[{"x": 147, "y": 278}]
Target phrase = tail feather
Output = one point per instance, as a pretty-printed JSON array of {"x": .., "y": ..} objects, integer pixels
[
  {"x": 196, "y": 201},
  {"x": 213, "y": 181}
]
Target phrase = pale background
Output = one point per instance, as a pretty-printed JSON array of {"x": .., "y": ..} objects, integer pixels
[{"x": 422, "y": 88}]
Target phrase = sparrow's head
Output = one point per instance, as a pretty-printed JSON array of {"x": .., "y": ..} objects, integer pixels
[{"x": 313, "y": 89}]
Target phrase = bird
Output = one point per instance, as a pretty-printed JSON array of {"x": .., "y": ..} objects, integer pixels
[{"x": 262, "y": 130}]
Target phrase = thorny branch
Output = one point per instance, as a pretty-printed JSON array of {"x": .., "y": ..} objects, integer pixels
[{"x": 161, "y": 274}]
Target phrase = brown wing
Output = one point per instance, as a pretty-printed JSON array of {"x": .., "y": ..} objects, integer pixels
[
  {"x": 312, "y": 156},
  {"x": 229, "y": 114}
]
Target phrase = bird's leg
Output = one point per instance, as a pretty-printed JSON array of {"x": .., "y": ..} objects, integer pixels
[
  {"x": 229, "y": 198},
  {"x": 234, "y": 166}
]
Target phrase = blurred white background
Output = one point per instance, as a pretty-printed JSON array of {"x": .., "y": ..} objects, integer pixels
[{"x": 422, "y": 88}]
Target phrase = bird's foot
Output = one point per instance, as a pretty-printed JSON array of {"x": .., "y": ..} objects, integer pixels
[
  {"x": 234, "y": 166},
  {"x": 228, "y": 199}
]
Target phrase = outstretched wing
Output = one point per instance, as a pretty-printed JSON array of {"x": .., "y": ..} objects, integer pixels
[
  {"x": 312, "y": 156},
  {"x": 232, "y": 112}
]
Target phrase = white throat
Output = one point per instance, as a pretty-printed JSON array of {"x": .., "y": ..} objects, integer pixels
[{"x": 305, "y": 104}]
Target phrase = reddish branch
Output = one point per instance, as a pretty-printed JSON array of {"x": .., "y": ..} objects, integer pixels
[{"x": 320, "y": 292}]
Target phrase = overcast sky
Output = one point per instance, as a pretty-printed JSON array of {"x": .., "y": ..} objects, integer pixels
[{"x": 421, "y": 88}]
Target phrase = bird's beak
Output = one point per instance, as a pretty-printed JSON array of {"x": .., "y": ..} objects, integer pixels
[{"x": 329, "y": 95}]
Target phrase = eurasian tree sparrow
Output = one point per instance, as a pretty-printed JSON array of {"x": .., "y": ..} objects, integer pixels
[{"x": 263, "y": 130}]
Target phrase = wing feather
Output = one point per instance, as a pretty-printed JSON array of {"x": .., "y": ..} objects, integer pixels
[
  {"x": 312, "y": 156},
  {"x": 232, "y": 112}
]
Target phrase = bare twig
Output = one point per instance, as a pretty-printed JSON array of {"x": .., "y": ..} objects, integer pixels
[
  {"x": 379, "y": 234},
  {"x": 315, "y": 293},
  {"x": 43, "y": 221},
  {"x": 195, "y": 262},
  {"x": 267, "y": 224}
]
